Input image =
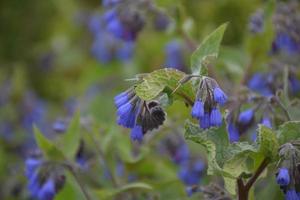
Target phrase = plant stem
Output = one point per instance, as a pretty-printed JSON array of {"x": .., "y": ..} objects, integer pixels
[
  {"x": 84, "y": 191},
  {"x": 243, "y": 189}
]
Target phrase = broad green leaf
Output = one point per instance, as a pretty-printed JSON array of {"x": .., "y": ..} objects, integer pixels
[
  {"x": 154, "y": 83},
  {"x": 267, "y": 141},
  {"x": 48, "y": 148},
  {"x": 69, "y": 142},
  {"x": 208, "y": 49},
  {"x": 215, "y": 142},
  {"x": 288, "y": 131},
  {"x": 109, "y": 193},
  {"x": 237, "y": 165}
]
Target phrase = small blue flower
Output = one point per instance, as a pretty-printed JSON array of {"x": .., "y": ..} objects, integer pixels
[
  {"x": 128, "y": 119},
  {"x": 47, "y": 191},
  {"x": 283, "y": 177},
  {"x": 246, "y": 116},
  {"x": 190, "y": 173},
  {"x": 259, "y": 84},
  {"x": 125, "y": 51},
  {"x": 219, "y": 96},
  {"x": 234, "y": 135},
  {"x": 174, "y": 55},
  {"x": 137, "y": 133},
  {"x": 31, "y": 164},
  {"x": 286, "y": 43},
  {"x": 198, "y": 109},
  {"x": 124, "y": 109},
  {"x": 59, "y": 126},
  {"x": 291, "y": 195},
  {"x": 294, "y": 85},
  {"x": 266, "y": 121},
  {"x": 205, "y": 121},
  {"x": 181, "y": 154},
  {"x": 215, "y": 117}
]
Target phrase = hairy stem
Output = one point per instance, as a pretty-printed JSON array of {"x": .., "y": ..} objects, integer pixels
[{"x": 243, "y": 189}]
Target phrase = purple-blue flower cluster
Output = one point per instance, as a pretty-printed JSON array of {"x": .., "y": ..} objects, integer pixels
[
  {"x": 205, "y": 108},
  {"x": 174, "y": 55},
  {"x": 40, "y": 187},
  {"x": 106, "y": 47},
  {"x": 138, "y": 115}
]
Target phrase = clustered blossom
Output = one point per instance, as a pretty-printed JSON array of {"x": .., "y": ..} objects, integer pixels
[
  {"x": 106, "y": 47},
  {"x": 138, "y": 115},
  {"x": 41, "y": 186},
  {"x": 205, "y": 108},
  {"x": 287, "y": 176}
]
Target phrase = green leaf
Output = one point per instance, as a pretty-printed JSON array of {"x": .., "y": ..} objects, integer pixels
[
  {"x": 48, "y": 148},
  {"x": 110, "y": 193},
  {"x": 267, "y": 141},
  {"x": 208, "y": 49},
  {"x": 214, "y": 140},
  {"x": 288, "y": 131},
  {"x": 154, "y": 83},
  {"x": 69, "y": 142}
]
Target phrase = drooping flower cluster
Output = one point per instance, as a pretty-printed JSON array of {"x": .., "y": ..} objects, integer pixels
[
  {"x": 288, "y": 175},
  {"x": 43, "y": 183},
  {"x": 205, "y": 108},
  {"x": 106, "y": 47},
  {"x": 138, "y": 115}
]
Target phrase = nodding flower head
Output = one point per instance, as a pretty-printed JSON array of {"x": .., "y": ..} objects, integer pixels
[
  {"x": 205, "y": 108},
  {"x": 137, "y": 133},
  {"x": 42, "y": 186},
  {"x": 139, "y": 115},
  {"x": 283, "y": 177},
  {"x": 123, "y": 23},
  {"x": 215, "y": 117},
  {"x": 198, "y": 109},
  {"x": 219, "y": 96},
  {"x": 190, "y": 172},
  {"x": 246, "y": 116},
  {"x": 266, "y": 121},
  {"x": 233, "y": 131},
  {"x": 291, "y": 195}
]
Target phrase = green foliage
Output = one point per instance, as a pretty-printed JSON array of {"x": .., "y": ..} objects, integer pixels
[
  {"x": 268, "y": 143},
  {"x": 111, "y": 193},
  {"x": 49, "y": 149},
  {"x": 65, "y": 147},
  {"x": 154, "y": 83},
  {"x": 69, "y": 142},
  {"x": 207, "y": 51},
  {"x": 288, "y": 131}
]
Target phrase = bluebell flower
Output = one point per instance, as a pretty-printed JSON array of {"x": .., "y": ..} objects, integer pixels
[
  {"x": 259, "y": 84},
  {"x": 47, "y": 191},
  {"x": 174, "y": 55},
  {"x": 286, "y": 43},
  {"x": 283, "y": 177},
  {"x": 59, "y": 126},
  {"x": 137, "y": 133},
  {"x": 246, "y": 116},
  {"x": 294, "y": 85},
  {"x": 198, "y": 109},
  {"x": 234, "y": 135},
  {"x": 102, "y": 48},
  {"x": 215, "y": 117},
  {"x": 291, "y": 195},
  {"x": 95, "y": 24},
  {"x": 190, "y": 173},
  {"x": 31, "y": 164},
  {"x": 125, "y": 51},
  {"x": 266, "y": 121},
  {"x": 181, "y": 154},
  {"x": 205, "y": 121},
  {"x": 219, "y": 96}
]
